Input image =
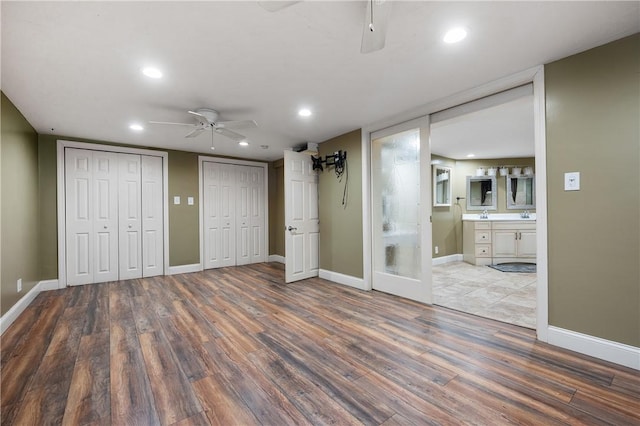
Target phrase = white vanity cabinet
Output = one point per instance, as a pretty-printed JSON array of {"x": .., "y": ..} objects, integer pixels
[
  {"x": 513, "y": 242},
  {"x": 487, "y": 242}
]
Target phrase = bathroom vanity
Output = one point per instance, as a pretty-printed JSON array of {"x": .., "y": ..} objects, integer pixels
[{"x": 500, "y": 238}]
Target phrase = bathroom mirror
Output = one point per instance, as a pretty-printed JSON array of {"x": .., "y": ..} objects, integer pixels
[
  {"x": 441, "y": 186},
  {"x": 521, "y": 192},
  {"x": 482, "y": 193}
]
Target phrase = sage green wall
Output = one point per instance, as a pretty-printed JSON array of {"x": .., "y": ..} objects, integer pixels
[
  {"x": 19, "y": 224},
  {"x": 446, "y": 227},
  {"x": 184, "y": 243},
  {"x": 592, "y": 120},
  {"x": 276, "y": 208},
  {"x": 341, "y": 227},
  {"x": 184, "y": 225}
]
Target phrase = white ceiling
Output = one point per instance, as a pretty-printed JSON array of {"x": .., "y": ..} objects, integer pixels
[
  {"x": 501, "y": 131},
  {"x": 74, "y": 67}
]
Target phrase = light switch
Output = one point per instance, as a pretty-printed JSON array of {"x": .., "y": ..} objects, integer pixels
[
  {"x": 572, "y": 181},
  {"x": 190, "y": 201},
  {"x": 176, "y": 199}
]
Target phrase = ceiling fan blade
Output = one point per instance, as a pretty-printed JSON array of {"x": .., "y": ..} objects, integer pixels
[
  {"x": 374, "y": 30},
  {"x": 197, "y": 114},
  {"x": 231, "y": 135},
  {"x": 236, "y": 124},
  {"x": 173, "y": 124},
  {"x": 275, "y": 5},
  {"x": 194, "y": 132}
]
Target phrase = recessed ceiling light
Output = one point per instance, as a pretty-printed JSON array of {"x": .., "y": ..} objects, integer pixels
[
  {"x": 136, "y": 127},
  {"x": 213, "y": 148},
  {"x": 455, "y": 35},
  {"x": 152, "y": 72},
  {"x": 243, "y": 143},
  {"x": 470, "y": 155},
  {"x": 304, "y": 112}
]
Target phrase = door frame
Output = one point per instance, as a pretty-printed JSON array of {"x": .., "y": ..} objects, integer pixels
[
  {"x": 61, "y": 208},
  {"x": 533, "y": 75},
  {"x": 265, "y": 167}
]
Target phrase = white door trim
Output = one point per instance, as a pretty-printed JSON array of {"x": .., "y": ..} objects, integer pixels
[
  {"x": 533, "y": 75},
  {"x": 265, "y": 166},
  {"x": 62, "y": 231}
]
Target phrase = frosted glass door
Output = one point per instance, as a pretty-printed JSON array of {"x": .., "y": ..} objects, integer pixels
[{"x": 395, "y": 196}]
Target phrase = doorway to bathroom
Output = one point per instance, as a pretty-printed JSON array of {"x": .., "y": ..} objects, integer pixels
[{"x": 488, "y": 220}]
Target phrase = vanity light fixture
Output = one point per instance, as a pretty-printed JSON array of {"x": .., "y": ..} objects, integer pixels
[
  {"x": 152, "y": 72},
  {"x": 455, "y": 35},
  {"x": 304, "y": 112},
  {"x": 136, "y": 127}
]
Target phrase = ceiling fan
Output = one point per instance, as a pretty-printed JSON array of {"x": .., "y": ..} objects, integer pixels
[
  {"x": 207, "y": 118},
  {"x": 374, "y": 30}
]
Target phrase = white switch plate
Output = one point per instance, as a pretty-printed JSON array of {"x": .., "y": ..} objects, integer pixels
[
  {"x": 190, "y": 201},
  {"x": 19, "y": 285},
  {"x": 176, "y": 199},
  {"x": 572, "y": 181}
]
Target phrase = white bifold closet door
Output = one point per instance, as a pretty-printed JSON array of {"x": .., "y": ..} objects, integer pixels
[
  {"x": 233, "y": 215},
  {"x": 114, "y": 221}
]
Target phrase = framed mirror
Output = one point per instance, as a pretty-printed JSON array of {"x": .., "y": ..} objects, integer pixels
[
  {"x": 521, "y": 192},
  {"x": 441, "y": 186},
  {"x": 482, "y": 193}
]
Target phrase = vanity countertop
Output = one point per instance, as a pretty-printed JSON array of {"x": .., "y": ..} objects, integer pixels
[{"x": 500, "y": 217}]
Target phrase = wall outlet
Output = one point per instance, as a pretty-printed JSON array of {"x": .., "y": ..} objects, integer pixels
[
  {"x": 572, "y": 181},
  {"x": 19, "y": 285},
  {"x": 436, "y": 250}
]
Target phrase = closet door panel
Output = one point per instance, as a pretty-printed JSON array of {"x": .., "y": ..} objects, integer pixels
[
  {"x": 130, "y": 241},
  {"x": 105, "y": 216},
  {"x": 243, "y": 190},
  {"x": 79, "y": 212},
  {"x": 257, "y": 214},
  {"x": 152, "y": 217}
]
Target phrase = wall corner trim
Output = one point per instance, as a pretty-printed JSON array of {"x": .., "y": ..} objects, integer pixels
[
  {"x": 447, "y": 259},
  {"x": 185, "y": 269},
  {"x": 12, "y": 314},
  {"x": 276, "y": 258},
  {"x": 619, "y": 353},
  {"x": 339, "y": 278}
]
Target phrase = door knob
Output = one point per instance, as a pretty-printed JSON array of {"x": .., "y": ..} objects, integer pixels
[
  {"x": 291, "y": 228},
  {"x": 105, "y": 227},
  {"x": 129, "y": 226}
]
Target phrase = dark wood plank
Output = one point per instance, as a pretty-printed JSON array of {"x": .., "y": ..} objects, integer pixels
[{"x": 237, "y": 345}]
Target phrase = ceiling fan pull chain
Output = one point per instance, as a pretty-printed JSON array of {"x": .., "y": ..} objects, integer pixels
[{"x": 371, "y": 23}]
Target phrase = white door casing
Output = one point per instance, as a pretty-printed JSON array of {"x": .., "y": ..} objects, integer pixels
[
  {"x": 302, "y": 233},
  {"x": 152, "y": 216},
  {"x": 130, "y": 223}
]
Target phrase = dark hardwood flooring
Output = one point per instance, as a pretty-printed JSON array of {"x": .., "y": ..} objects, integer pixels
[{"x": 236, "y": 346}]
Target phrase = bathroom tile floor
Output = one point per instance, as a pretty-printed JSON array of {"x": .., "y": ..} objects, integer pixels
[{"x": 504, "y": 296}]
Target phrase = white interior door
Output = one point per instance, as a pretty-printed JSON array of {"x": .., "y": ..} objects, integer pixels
[
  {"x": 79, "y": 217},
  {"x": 250, "y": 215},
  {"x": 400, "y": 206},
  {"x": 302, "y": 233},
  {"x": 91, "y": 179},
  {"x": 219, "y": 215},
  {"x": 130, "y": 223},
  {"x": 152, "y": 217}
]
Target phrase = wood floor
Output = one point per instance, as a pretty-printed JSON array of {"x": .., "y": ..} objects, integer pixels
[{"x": 236, "y": 346}]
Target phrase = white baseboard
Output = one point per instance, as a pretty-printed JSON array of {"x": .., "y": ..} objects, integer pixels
[
  {"x": 12, "y": 314},
  {"x": 447, "y": 259},
  {"x": 339, "y": 278},
  {"x": 619, "y": 353},
  {"x": 276, "y": 258},
  {"x": 185, "y": 269},
  {"x": 47, "y": 285}
]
